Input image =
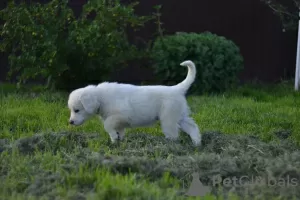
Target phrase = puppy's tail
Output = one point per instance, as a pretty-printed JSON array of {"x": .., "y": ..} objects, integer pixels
[{"x": 190, "y": 78}]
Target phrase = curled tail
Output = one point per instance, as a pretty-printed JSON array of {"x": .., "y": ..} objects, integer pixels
[{"x": 190, "y": 78}]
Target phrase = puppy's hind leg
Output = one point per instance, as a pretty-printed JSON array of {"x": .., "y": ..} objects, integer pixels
[
  {"x": 169, "y": 122},
  {"x": 170, "y": 129},
  {"x": 188, "y": 125}
]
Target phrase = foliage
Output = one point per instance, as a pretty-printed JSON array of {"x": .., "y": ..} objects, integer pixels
[
  {"x": 48, "y": 41},
  {"x": 287, "y": 11},
  {"x": 217, "y": 59}
]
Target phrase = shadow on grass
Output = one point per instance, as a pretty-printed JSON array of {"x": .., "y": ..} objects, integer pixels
[{"x": 221, "y": 155}]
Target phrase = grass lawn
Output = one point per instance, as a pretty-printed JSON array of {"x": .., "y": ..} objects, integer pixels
[{"x": 251, "y": 131}]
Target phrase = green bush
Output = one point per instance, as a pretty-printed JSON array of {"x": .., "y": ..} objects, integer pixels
[
  {"x": 217, "y": 60},
  {"x": 47, "y": 41}
]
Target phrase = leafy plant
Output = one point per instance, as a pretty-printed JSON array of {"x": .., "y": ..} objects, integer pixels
[
  {"x": 48, "y": 41},
  {"x": 217, "y": 59}
]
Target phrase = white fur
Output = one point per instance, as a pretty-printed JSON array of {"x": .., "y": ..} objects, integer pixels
[{"x": 123, "y": 106}]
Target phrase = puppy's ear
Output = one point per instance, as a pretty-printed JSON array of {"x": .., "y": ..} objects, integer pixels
[{"x": 89, "y": 102}]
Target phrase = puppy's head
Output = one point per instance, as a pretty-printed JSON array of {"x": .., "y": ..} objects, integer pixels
[{"x": 83, "y": 103}]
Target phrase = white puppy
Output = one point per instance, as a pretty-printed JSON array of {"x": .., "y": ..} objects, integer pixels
[{"x": 122, "y": 106}]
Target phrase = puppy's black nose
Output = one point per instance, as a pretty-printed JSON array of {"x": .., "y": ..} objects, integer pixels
[{"x": 71, "y": 122}]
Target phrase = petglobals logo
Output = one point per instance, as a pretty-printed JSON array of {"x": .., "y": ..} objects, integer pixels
[
  {"x": 254, "y": 180},
  {"x": 196, "y": 187}
]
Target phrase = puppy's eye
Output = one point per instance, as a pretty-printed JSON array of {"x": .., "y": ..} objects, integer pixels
[{"x": 76, "y": 111}]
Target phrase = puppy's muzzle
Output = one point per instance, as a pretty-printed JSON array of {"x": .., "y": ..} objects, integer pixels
[{"x": 71, "y": 122}]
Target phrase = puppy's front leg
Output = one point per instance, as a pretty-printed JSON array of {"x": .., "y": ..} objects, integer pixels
[{"x": 114, "y": 127}]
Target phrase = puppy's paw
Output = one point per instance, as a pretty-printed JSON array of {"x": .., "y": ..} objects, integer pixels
[
  {"x": 197, "y": 142},
  {"x": 121, "y": 136},
  {"x": 115, "y": 138}
]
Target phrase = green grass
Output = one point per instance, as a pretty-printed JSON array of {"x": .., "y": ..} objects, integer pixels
[{"x": 42, "y": 156}]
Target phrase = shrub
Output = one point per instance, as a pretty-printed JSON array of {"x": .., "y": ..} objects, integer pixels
[
  {"x": 217, "y": 59},
  {"x": 48, "y": 41}
]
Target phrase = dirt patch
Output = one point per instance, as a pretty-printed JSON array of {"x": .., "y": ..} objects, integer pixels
[
  {"x": 262, "y": 169},
  {"x": 49, "y": 142}
]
